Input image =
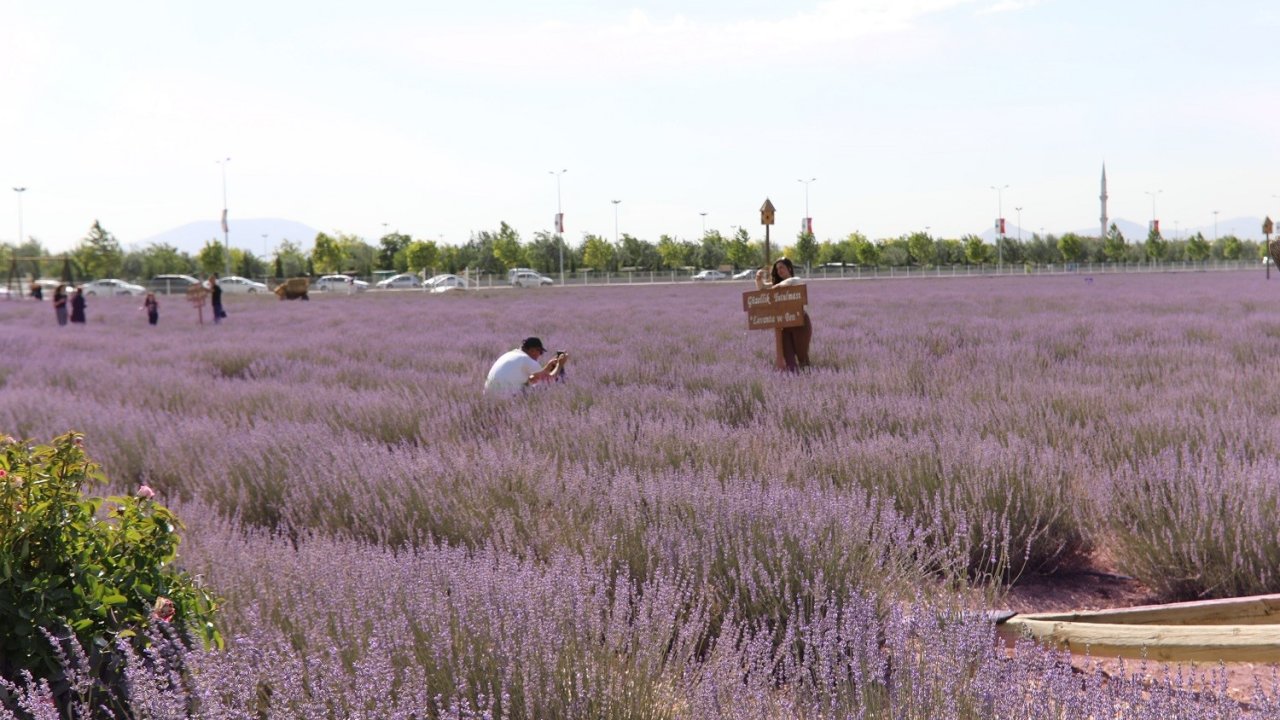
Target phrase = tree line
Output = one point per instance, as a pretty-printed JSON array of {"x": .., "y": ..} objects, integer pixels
[{"x": 99, "y": 254}]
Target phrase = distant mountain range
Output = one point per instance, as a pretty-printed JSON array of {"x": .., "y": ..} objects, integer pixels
[
  {"x": 259, "y": 235},
  {"x": 1245, "y": 228}
]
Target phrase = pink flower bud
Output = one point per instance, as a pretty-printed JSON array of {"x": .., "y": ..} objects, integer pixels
[{"x": 146, "y": 493}]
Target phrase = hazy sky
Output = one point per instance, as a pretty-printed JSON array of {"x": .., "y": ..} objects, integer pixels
[{"x": 442, "y": 119}]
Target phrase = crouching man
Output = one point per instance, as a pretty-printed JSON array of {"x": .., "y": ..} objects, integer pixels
[{"x": 518, "y": 369}]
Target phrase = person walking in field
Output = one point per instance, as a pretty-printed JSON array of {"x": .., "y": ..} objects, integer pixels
[
  {"x": 152, "y": 306},
  {"x": 60, "y": 304},
  {"x": 518, "y": 369},
  {"x": 795, "y": 340},
  {"x": 77, "y": 306},
  {"x": 215, "y": 296}
]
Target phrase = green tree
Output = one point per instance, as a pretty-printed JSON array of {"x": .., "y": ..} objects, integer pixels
[
  {"x": 740, "y": 252},
  {"x": 507, "y": 249},
  {"x": 358, "y": 256},
  {"x": 1198, "y": 248},
  {"x": 1231, "y": 247},
  {"x": 211, "y": 258},
  {"x": 865, "y": 252},
  {"x": 290, "y": 260},
  {"x": 976, "y": 252},
  {"x": 1113, "y": 247},
  {"x": 597, "y": 253},
  {"x": 921, "y": 248},
  {"x": 327, "y": 255},
  {"x": 806, "y": 249},
  {"x": 674, "y": 254},
  {"x": 99, "y": 254},
  {"x": 632, "y": 252},
  {"x": 1071, "y": 246},
  {"x": 544, "y": 252},
  {"x": 1156, "y": 248},
  {"x": 390, "y": 249},
  {"x": 421, "y": 255}
]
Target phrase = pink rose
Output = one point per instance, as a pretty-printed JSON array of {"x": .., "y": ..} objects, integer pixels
[{"x": 146, "y": 493}]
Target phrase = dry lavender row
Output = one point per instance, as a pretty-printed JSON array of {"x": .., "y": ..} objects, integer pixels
[{"x": 951, "y": 429}]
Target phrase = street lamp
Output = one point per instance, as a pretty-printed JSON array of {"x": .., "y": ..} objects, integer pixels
[
  {"x": 615, "y": 221},
  {"x": 1215, "y": 226},
  {"x": 226, "y": 231},
  {"x": 999, "y": 223},
  {"x": 559, "y": 221},
  {"x": 20, "y": 190},
  {"x": 1155, "y": 222},
  {"x": 1019, "y": 210},
  {"x": 807, "y": 223},
  {"x": 704, "y": 223}
]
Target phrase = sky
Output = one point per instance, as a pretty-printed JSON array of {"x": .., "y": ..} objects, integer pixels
[{"x": 443, "y": 119}]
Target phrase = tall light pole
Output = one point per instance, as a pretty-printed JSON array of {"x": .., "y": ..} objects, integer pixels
[
  {"x": 1215, "y": 226},
  {"x": 20, "y": 190},
  {"x": 615, "y": 221},
  {"x": 1019, "y": 210},
  {"x": 808, "y": 224},
  {"x": 999, "y": 223},
  {"x": 226, "y": 231},
  {"x": 704, "y": 223},
  {"x": 559, "y": 221},
  {"x": 1155, "y": 222}
]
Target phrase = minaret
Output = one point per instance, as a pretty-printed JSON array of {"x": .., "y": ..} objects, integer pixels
[{"x": 1103, "y": 198}]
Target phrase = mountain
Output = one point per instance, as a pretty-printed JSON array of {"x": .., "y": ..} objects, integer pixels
[
  {"x": 1245, "y": 228},
  {"x": 246, "y": 233}
]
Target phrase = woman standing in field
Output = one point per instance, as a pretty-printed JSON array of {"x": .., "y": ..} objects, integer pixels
[
  {"x": 60, "y": 304},
  {"x": 795, "y": 340},
  {"x": 152, "y": 306},
  {"x": 77, "y": 306}
]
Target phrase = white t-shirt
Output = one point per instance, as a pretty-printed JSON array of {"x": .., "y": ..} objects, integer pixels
[{"x": 510, "y": 373}]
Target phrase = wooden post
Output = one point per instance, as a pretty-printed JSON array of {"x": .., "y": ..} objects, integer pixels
[{"x": 767, "y": 212}]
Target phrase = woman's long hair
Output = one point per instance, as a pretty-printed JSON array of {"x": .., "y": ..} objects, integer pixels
[{"x": 773, "y": 270}]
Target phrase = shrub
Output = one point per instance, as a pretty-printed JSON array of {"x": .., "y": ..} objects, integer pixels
[{"x": 78, "y": 570}]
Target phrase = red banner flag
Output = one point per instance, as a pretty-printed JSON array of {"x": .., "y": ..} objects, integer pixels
[
  {"x": 224, "y": 220},
  {"x": 559, "y": 222}
]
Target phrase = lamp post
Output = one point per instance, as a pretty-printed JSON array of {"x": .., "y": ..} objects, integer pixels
[
  {"x": 1155, "y": 222},
  {"x": 615, "y": 220},
  {"x": 1019, "y": 211},
  {"x": 999, "y": 223},
  {"x": 20, "y": 190},
  {"x": 1215, "y": 226},
  {"x": 226, "y": 231},
  {"x": 704, "y": 223},
  {"x": 559, "y": 222},
  {"x": 807, "y": 222}
]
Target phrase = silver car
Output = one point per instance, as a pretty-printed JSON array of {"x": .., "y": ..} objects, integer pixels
[
  {"x": 403, "y": 280},
  {"x": 235, "y": 284},
  {"x": 111, "y": 286}
]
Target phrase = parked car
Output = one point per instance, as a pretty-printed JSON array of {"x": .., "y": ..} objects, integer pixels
[
  {"x": 112, "y": 286},
  {"x": 747, "y": 274},
  {"x": 340, "y": 283},
  {"x": 403, "y": 280},
  {"x": 237, "y": 284},
  {"x": 529, "y": 278},
  {"x": 445, "y": 283},
  {"x": 172, "y": 284},
  {"x": 511, "y": 274},
  {"x": 710, "y": 275}
]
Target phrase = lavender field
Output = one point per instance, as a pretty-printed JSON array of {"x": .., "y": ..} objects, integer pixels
[{"x": 677, "y": 531}]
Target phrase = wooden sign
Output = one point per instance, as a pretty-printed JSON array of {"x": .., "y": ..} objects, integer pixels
[
  {"x": 766, "y": 213},
  {"x": 196, "y": 295},
  {"x": 1267, "y": 227},
  {"x": 775, "y": 308}
]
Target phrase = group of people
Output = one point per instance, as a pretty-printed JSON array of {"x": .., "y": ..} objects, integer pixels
[
  {"x": 150, "y": 304},
  {"x": 521, "y": 368}
]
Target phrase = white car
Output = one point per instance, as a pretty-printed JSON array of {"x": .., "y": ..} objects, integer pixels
[
  {"x": 747, "y": 274},
  {"x": 445, "y": 283},
  {"x": 403, "y": 280},
  {"x": 340, "y": 283},
  {"x": 710, "y": 275},
  {"x": 111, "y": 286},
  {"x": 237, "y": 284},
  {"x": 528, "y": 279}
]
